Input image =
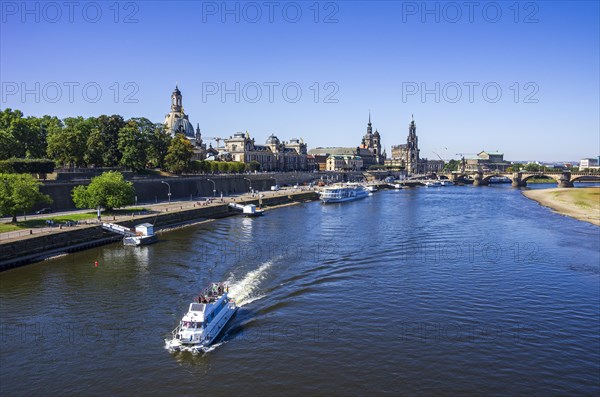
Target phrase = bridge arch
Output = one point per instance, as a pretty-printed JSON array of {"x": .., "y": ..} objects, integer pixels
[
  {"x": 555, "y": 178},
  {"x": 485, "y": 180},
  {"x": 588, "y": 177}
]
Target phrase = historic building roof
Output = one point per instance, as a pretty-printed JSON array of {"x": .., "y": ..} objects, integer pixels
[{"x": 272, "y": 140}]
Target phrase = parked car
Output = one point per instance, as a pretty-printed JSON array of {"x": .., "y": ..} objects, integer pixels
[{"x": 44, "y": 211}]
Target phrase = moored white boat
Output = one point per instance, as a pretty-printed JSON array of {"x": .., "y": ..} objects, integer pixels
[
  {"x": 249, "y": 210},
  {"x": 341, "y": 193},
  {"x": 205, "y": 320},
  {"x": 144, "y": 235}
]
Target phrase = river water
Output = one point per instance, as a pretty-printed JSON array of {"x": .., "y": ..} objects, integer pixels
[{"x": 428, "y": 291}]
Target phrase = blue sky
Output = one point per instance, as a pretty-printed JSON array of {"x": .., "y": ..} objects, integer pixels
[{"x": 347, "y": 59}]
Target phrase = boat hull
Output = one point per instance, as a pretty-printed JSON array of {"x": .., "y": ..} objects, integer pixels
[
  {"x": 136, "y": 241},
  {"x": 343, "y": 199}
]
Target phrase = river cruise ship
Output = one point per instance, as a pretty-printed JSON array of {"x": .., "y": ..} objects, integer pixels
[
  {"x": 205, "y": 320},
  {"x": 341, "y": 193}
]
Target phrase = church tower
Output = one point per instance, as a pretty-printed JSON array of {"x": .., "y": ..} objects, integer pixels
[
  {"x": 176, "y": 106},
  {"x": 412, "y": 145},
  {"x": 176, "y": 121},
  {"x": 368, "y": 138},
  {"x": 377, "y": 147}
]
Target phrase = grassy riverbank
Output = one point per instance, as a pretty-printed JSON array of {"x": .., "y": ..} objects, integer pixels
[
  {"x": 61, "y": 219},
  {"x": 580, "y": 203}
]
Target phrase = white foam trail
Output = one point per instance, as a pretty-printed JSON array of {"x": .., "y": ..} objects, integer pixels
[
  {"x": 243, "y": 291},
  {"x": 213, "y": 347}
]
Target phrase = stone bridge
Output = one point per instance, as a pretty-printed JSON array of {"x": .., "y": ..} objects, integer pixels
[{"x": 519, "y": 179}]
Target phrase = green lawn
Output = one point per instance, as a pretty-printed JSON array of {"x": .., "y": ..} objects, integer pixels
[{"x": 41, "y": 222}]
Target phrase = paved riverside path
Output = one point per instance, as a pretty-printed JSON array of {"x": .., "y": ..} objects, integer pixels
[{"x": 174, "y": 206}]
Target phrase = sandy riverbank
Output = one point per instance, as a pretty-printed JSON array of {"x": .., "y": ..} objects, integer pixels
[{"x": 581, "y": 203}]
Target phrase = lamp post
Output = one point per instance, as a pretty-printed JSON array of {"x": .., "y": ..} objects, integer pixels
[
  {"x": 275, "y": 179},
  {"x": 169, "y": 186},
  {"x": 214, "y": 187},
  {"x": 249, "y": 182}
]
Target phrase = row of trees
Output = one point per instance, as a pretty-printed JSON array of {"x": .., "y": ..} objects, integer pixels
[{"x": 104, "y": 141}]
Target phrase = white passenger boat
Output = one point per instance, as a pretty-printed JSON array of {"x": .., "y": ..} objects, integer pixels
[
  {"x": 340, "y": 193},
  {"x": 205, "y": 320},
  {"x": 433, "y": 184}
]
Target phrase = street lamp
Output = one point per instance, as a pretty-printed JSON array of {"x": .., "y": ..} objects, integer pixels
[
  {"x": 214, "y": 187},
  {"x": 249, "y": 182},
  {"x": 169, "y": 186},
  {"x": 275, "y": 179}
]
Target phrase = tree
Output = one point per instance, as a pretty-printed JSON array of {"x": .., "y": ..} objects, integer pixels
[
  {"x": 452, "y": 165},
  {"x": 253, "y": 166},
  {"x": 19, "y": 193},
  {"x": 103, "y": 141},
  {"x": 179, "y": 154},
  {"x": 224, "y": 166},
  {"x": 214, "y": 166},
  {"x": 109, "y": 190},
  {"x": 160, "y": 140},
  {"x": 67, "y": 146},
  {"x": 134, "y": 140},
  {"x": 532, "y": 167},
  {"x": 237, "y": 167}
]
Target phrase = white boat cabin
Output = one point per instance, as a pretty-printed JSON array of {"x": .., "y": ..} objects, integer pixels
[{"x": 144, "y": 229}]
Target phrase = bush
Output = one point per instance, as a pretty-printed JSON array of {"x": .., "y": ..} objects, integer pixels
[{"x": 26, "y": 166}]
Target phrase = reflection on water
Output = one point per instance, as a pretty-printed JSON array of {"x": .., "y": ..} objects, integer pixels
[{"x": 418, "y": 291}]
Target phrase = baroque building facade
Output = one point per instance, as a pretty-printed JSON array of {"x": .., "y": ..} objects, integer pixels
[{"x": 274, "y": 155}]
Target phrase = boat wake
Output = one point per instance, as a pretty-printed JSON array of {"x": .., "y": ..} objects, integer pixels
[{"x": 245, "y": 290}]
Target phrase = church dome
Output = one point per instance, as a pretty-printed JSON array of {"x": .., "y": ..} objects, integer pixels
[
  {"x": 272, "y": 140},
  {"x": 376, "y": 133},
  {"x": 183, "y": 126}
]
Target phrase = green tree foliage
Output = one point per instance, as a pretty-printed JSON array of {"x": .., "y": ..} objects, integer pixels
[
  {"x": 160, "y": 140},
  {"x": 532, "y": 167},
  {"x": 223, "y": 166},
  {"x": 109, "y": 190},
  {"x": 134, "y": 141},
  {"x": 24, "y": 137},
  {"x": 108, "y": 132},
  {"x": 214, "y": 166},
  {"x": 179, "y": 154},
  {"x": 253, "y": 166},
  {"x": 452, "y": 165},
  {"x": 238, "y": 167},
  {"x": 68, "y": 146},
  {"x": 19, "y": 193},
  {"x": 516, "y": 167}
]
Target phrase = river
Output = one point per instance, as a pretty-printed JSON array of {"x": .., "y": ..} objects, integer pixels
[{"x": 427, "y": 291}]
